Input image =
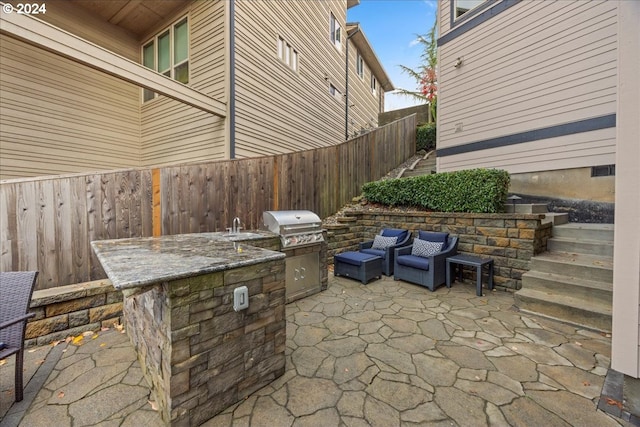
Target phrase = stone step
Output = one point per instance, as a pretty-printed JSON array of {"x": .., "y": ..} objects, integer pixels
[
  {"x": 580, "y": 246},
  {"x": 568, "y": 285},
  {"x": 527, "y": 208},
  {"x": 575, "y": 230},
  {"x": 556, "y": 218},
  {"x": 589, "y": 312},
  {"x": 590, "y": 267}
]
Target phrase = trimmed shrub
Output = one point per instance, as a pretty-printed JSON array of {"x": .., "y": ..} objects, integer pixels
[
  {"x": 426, "y": 137},
  {"x": 473, "y": 191}
]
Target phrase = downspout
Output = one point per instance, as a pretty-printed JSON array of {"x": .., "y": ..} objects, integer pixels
[
  {"x": 232, "y": 81},
  {"x": 346, "y": 90}
]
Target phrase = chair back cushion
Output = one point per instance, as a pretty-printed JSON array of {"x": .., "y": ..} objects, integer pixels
[
  {"x": 433, "y": 236},
  {"x": 425, "y": 248},
  {"x": 395, "y": 232},
  {"x": 382, "y": 242}
]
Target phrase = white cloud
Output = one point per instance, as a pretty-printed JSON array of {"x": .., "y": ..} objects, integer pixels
[
  {"x": 432, "y": 4},
  {"x": 414, "y": 42}
]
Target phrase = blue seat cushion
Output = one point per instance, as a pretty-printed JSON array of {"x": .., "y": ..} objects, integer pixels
[
  {"x": 353, "y": 258},
  {"x": 395, "y": 232},
  {"x": 413, "y": 261},
  {"x": 375, "y": 252},
  {"x": 433, "y": 236}
]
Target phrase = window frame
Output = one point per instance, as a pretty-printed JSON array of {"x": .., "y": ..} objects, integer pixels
[
  {"x": 374, "y": 85},
  {"x": 456, "y": 20},
  {"x": 335, "y": 31},
  {"x": 287, "y": 54},
  {"x": 173, "y": 65},
  {"x": 360, "y": 66}
]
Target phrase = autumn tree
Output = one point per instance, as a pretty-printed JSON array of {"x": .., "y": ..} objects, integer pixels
[{"x": 426, "y": 75}]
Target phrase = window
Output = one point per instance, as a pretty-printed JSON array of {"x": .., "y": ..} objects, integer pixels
[
  {"x": 287, "y": 54},
  {"x": 336, "y": 32},
  {"x": 374, "y": 85},
  {"x": 464, "y": 6},
  {"x": 168, "y": 54},
  {"x": 360, "y": 65},
  {"x": 335, "y": 92}
]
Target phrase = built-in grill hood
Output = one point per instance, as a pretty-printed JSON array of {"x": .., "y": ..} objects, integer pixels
[{"x": 296, "y": 228}]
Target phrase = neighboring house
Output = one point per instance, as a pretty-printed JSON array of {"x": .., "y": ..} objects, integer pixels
[
  {"x": 94, "y": 85},
  {"x": 549, "y": 92}
]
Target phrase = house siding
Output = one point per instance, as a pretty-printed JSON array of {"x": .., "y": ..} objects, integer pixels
[
  {"x": 61, "y": 117},
  {"x": 172, "y": 132},
  {"x": 558, "y": 67},
  {"x": 295, "y": 110},
  {"x": 364, "y": 106}
]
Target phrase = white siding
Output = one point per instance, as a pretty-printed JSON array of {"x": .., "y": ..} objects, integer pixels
[
  {"x": 173, "y": 132},
  {"x": 279, "y": 110},
  {"x": 533, "y": 66}
]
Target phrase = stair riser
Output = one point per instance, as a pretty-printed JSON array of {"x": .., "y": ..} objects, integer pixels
[
  {"x": 579, "y": 247},
  {"x": 569, "y": 314},
  {"x": 579, "y": 271},
  {"x": 580, "y": 233},
  {"x": 568, "y": 289}
]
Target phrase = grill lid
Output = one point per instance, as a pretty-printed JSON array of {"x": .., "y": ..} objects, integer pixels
[{"x": 291, "y": 222}]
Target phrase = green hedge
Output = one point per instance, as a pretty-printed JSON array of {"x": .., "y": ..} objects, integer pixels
[
  {"x": 426, "y": 137},
  {"x": 474, "y": 190}
]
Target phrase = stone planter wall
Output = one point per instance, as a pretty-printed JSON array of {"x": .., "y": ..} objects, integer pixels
[
  {"x": 70, "y": 310},
  {"x": 510, "y": 239}
]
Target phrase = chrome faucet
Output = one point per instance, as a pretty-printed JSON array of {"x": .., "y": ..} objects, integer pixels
[{"x": 235, "y": 228}]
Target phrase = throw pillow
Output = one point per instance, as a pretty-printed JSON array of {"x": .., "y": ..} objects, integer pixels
[
  {"x": 381, "y": 242},
  {"x": 425, "y": 248}
]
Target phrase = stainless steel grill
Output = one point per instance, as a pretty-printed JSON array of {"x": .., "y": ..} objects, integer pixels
[{"x": 296, "y": 228}]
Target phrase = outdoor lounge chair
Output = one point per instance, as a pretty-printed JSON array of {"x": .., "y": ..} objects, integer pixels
[
  {"x": 16, "y": 289},
  {"x": 379, "y": 247},
  {"x": 422, "y": 269}
]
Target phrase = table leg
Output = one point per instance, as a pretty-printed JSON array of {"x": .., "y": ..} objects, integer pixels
[
  {"x": 479, "y": 281},
  {"x": 448, "y": 274},
  {"x": 491, "y": 275}
]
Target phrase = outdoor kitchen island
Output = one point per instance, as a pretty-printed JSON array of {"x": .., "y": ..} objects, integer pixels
[{"x": 198, "y": 353}]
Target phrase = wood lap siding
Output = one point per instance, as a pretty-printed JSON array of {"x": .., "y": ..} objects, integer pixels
[
  {"x": 172, "y": 132},
  {"x": 279, "y": 110},
  {"x": 60, "y": 117},
  {"x": 558, "y": 66},
  {"x": 47, "y": 224}
]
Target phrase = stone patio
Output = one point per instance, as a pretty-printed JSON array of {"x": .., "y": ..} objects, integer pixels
[{"x": 385, "y": 354}]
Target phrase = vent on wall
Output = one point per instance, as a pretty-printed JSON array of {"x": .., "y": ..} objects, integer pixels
[{"x": 606, "y": 170}]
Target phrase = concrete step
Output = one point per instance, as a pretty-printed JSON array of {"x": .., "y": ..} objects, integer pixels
[
  {"x": 418, "y": 172},
  {"x": 581, "y": 266},
  {"x": 589, "y": 312},
  {"x": 561, "y": 284},
  {"x": 574, "y": 230},
  {"x": 580, "y": 246},
  {"x": 527, "y": 208},
  {"x": 556, "y": 218}
]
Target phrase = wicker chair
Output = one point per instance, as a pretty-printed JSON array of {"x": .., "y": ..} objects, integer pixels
[
  {"x": 387, "y": 255},
  {"x": 16, "y": 289},
  {"x": 429, "y": 271}
]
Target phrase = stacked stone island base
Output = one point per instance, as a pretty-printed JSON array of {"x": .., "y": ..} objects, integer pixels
[
  {"x": 357, "y": 265},
  {"x": 199, "y": 354}
]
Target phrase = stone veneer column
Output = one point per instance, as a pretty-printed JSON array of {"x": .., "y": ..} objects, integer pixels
[{"x": 198, "y": 354}]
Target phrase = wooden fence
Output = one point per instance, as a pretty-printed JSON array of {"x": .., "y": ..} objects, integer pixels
[{"x": 47, "y": 224}]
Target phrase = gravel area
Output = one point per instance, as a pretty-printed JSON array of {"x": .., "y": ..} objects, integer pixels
[{"x": 361, "y": 204}]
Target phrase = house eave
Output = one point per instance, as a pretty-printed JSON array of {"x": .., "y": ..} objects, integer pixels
[{"x": 355, "y": 33}]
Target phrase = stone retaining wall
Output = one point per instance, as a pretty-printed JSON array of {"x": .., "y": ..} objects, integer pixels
[
  {"x": 71, "y": 310},
  {"x": 510, "y": 239}
]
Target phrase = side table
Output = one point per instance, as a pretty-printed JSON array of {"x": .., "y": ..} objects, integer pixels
[{"x": 461, "y": 260}]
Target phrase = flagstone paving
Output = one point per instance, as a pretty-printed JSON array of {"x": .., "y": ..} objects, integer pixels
[{"x": 385, "y": 354}]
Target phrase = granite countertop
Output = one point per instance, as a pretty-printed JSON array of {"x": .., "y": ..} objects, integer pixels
[{"x": 142, "y": 261}]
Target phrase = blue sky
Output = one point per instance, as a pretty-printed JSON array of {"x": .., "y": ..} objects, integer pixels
[{"x": 391, "y": 27}]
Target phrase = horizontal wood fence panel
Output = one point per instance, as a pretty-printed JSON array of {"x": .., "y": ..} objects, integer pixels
[{"x": 47, "y": 224}]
